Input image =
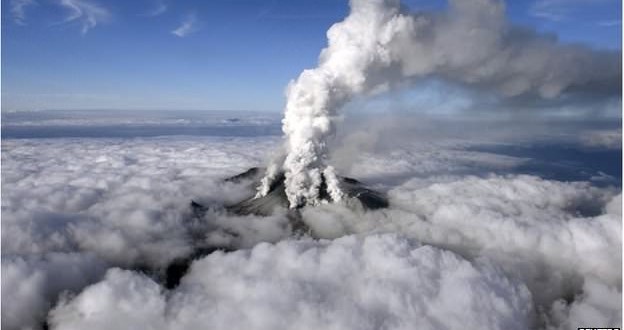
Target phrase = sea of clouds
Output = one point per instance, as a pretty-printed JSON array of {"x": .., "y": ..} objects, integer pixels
[{"x": 472, "y": 239}]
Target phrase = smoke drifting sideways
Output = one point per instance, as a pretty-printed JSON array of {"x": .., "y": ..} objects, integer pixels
[{"x": 380, "y": 45}]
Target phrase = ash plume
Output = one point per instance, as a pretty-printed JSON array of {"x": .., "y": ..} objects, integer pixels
[{"x": 380, "y": 45}]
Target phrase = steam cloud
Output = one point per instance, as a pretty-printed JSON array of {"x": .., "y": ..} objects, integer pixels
[{"x": 380, "y": 45}]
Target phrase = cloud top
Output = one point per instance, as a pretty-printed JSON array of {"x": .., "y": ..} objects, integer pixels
[
  {"x": 123, "y": 203},
  {"x": 380, "y": 281}
]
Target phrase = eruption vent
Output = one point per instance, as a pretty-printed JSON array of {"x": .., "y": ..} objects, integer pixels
[{"x": 380, "y": 45}]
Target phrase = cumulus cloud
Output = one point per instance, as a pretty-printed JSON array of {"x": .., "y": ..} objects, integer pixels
[
  {"x": 555, "y": 236},
  {"x": 393, "y": 283},
  {"x": 18, "y": 10},
  {"x": 188, "y": 26},
  {"x": 598, "y": 304},
  {"x": 534, "y": 252},
  {"x": 85, "y": 12},
  {"x": 33, "y": 284},
  {"x": 101, "y": 197},
  {"x": 100, "y": 205},
  {"x": 124, "y": 300}
]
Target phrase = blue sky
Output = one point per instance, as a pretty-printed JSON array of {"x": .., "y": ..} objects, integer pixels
[{"x": 210, "y": 55}]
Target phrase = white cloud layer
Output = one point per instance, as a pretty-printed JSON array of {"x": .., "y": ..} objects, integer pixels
[
  {"x": 126, "y": 200},
  {"x": 32, "y": 284},
  {"x": 551, "y": 235},
  {"x": 380, "y": 281},
  {"x": 106, "y": 203},
  {"x": 532, "y": 252}
]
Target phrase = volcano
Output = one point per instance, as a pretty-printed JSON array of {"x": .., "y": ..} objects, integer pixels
[{"x": 356, "y": 196}]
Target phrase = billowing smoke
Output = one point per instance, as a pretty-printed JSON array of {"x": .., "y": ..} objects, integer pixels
[{"x": 381, "y": 45}]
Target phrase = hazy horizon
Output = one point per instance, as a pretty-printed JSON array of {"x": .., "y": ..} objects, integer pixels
[{"x": 428, "y": 164}]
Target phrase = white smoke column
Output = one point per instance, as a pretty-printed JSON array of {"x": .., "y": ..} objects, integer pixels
[
  {"x": 317, "y": 94},
  {"x": 379, "y": 45}
]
